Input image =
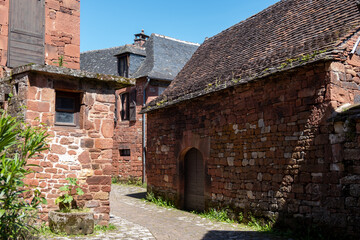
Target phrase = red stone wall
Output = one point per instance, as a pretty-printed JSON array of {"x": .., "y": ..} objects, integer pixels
[
  {"x": 83, "y": 152},
  {"x": 62, "y": 32},
  {"x": 128, "y": 134},
  {"x": 4, "y": 24},
  {"x": 265, "y": 145}
]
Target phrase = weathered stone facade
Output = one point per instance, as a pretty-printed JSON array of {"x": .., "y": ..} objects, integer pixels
[
  {"x": 83, "y": 151},
  {"x": 62, "y": 32},
  {"x": 267, "y": 145},
  {"x": 129, "y": 134},
  {"x": 249, "y": 122}
]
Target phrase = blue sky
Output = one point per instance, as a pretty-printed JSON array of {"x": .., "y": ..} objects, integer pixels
[{"x": 111, "y": 23}]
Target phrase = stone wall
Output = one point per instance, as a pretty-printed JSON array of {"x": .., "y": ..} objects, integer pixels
[
  {"x": 84, "y": 152},
  {"x": 62, "y": 32},
  {"x": 4, "y": 24},
  {"x": 128, "y": 134},
  {"x": 265, "y": 145}
]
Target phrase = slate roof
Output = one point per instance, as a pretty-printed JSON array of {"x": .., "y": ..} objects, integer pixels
[
  {"x": 165, "y": 57},
  {"x": 129, "y": 48},
  {"x": 263, "y": 44},
  {"x": 100, "y": 61}
]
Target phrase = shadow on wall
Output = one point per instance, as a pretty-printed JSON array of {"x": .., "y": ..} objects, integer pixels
[{"x": 216, "y": 235}]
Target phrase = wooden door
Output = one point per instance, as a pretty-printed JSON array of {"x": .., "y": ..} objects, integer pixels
[
  {"x": 26, "y": 32},
  {"x": 194, "y": 180}
]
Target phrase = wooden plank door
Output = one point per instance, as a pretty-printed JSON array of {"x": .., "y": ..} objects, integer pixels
[
  {"x": 194, "y": 180},
  {"x": 26, "y": 32}
]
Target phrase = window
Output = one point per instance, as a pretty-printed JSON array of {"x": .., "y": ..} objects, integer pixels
[
  {"x": 124, "y": 152},
  {"x": 128, "y": 106},
  {"x": 67, "y": 108},
  {"x": 123, "y": 66},
  {"x": 125, "y": 106}
]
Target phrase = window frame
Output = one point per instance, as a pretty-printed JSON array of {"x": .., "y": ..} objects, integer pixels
[
  {"x": 128, "y": 108},
  {"x": 123, "y": 65},
  {"x": 76, "y": 109}
]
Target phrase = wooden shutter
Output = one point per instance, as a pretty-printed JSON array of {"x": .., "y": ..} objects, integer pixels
[
  {"x": 132, "y": 110},
  {"x": 26, "y": 32}
]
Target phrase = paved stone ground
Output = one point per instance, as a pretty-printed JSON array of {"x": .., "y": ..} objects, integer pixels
[{"x": 136, "y": 219}]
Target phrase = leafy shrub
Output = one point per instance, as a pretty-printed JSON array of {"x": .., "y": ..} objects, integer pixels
[
  {"x": 66, "y": 201},
  {"x": 18, "y": 143}
]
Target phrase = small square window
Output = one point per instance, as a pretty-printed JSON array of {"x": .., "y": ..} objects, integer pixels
[
  {"x": 124, "y": 152},
  {"x": 67, "y": 108}
]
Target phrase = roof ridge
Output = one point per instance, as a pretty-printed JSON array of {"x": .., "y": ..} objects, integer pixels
[
  {"x": 177, "y": 40},
  {"x": 102, "y": 49}
]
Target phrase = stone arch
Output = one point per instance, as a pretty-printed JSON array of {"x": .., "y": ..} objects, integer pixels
[{"x": 188, "y": 142}]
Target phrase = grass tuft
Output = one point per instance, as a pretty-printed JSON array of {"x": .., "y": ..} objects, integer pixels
[
  {"x": 218, "y": 215},
  {"x": 150, "y": 197}
]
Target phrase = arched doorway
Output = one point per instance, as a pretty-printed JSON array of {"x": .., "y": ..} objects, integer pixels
[{"x": 194, "y": 180}]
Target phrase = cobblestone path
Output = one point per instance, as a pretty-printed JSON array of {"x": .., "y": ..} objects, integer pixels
[{"x": 136, "y": 219}]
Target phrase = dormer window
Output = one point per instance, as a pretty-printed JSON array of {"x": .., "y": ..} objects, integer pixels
[{"x": 123, "y": 65}]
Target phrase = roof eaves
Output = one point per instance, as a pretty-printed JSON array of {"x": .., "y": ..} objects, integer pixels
[
  {"x": 118, "y": 81},
  {"x": 164, "y": 103}
]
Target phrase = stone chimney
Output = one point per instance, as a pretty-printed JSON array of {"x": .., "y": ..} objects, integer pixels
[{"x": 140, "y": 38}]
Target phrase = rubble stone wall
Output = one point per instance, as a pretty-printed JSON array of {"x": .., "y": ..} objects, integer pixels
[
  {"x": 266, "y": 144},
  {"x": 83, "y": 152},
  {"x": 128, "y": 134}
]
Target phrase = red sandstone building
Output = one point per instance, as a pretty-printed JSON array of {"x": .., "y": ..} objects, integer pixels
[
  {"x": 153, "y": 61},
  {"x": 77, "y": 107},
  {"x": 249, "y": 123}
]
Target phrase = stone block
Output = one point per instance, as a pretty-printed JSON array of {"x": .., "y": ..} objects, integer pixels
[
  {"x": 107, "y": 128},
  {"x": 38, "y": 106},
  {"x": 84, "y": 157},
  {"x": 101, "y": 196},
  {"x": 99, "y": 180},
  {"x": 57, "y": 149},
  {"x": 103, "y": 143}
]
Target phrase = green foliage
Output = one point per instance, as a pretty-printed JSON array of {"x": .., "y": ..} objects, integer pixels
[
  {"x": 261, "y": 226},
  {"x": 18, "y": 143},
  {"x": 217, "y": 214},
  {"x": 105, "y": 228},
  {"x": 129, "y": 182},
  {"x": 45, "y": 231},
  {"x": 240, "y": 217},
  {"x": 150, "y": 197},
  {"x": 60, "y": 61},
  {"x": 65, "y": 201}
]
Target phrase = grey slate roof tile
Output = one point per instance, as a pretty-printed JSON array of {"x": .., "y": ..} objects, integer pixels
[{"x": 165, "y": 57}]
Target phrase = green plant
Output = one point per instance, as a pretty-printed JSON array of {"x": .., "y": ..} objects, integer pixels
[
  {"x": 150, "y": 197},
  {"x": 45, "y": 231},
  {"x": 18, "y": 143},
  {"x": 60, "y": 61},
  {"x": 240, "y": 217},
  {"x": 261, "y": 226},
  {"x": 217, "y": 214},
  {"x": 105, "y": 228},
  {"x": 66, "y": 201}
]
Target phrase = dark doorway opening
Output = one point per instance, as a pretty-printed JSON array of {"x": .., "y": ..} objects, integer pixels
[{"x": 194, "y": 181}]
